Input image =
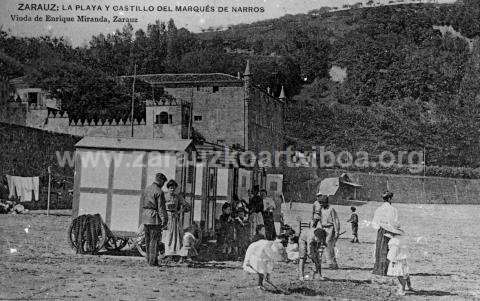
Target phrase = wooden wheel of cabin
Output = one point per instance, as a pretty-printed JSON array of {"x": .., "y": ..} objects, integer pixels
[
  {"x": 99, "y": 232},
  {"x": 115, "y": 243}
]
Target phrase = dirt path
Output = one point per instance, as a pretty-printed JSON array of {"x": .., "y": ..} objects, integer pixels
[{"x": 45, "y": 268}]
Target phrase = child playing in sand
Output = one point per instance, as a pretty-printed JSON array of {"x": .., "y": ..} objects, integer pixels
[
  {"x": 189, "y": 246},
  {"x": 354, "y": 221},
  {"x": 397, "y": 255},
  {"x": 261, "y": 257}
]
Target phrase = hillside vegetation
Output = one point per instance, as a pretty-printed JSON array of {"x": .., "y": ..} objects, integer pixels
[{"x": 403, "y": 85}]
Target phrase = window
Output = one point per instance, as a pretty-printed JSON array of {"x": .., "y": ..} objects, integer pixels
[
  {"x": 32, "y": 97},
  {"x": 198, "y": 88},
  {"x": 170, "y": 119},
  {"x": 190, "y": 173},
  {"x": 197, "y": 118},
  {"x": 244, "y": 181},
  {"x": 163, "y": 118},
  {"x": 273, "y": 186},
  {"x": 215, "y": 89}
]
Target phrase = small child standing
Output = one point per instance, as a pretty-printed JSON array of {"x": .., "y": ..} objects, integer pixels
[
  {"x": 225, "y": 235},
  {"x": 397, "y": 255},
  {"x": 189, "y": 245},
  {"x": 354, "y": 221},
  {"x": 242, "y": 233}
]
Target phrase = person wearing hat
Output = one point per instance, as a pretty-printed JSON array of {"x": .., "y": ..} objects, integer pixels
[
  {"x": 330, "y": 223},
  {"x": 384, "y": 216},
  {"x": 397, "y": 257},
  {"x": 310, "y": 245},
  {"x": 154, "y": 217}
]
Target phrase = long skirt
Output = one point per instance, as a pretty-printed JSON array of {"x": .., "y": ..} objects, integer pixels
[
  {"x": 255, "y": 219},
  {"x": 172, "y": 236},
  {"x": 381, "y": 251},
  {"x": 269, "y": 225}
]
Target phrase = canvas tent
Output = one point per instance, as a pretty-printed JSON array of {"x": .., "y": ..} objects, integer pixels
[{"x": 340, "y": 190}]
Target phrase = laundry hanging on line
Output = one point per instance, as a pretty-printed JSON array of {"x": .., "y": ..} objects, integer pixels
[{"x": 24, "y": 187}]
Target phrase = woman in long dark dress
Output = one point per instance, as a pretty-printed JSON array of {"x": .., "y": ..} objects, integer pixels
[
  {"x": 386, "y": 214},
  {"x": 255, "y": 208}
]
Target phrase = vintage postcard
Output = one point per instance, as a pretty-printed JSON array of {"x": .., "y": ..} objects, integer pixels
[{"x": 239, "y": 149}]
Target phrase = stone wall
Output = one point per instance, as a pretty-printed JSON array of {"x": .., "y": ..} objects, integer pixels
[
  {"x": 265, "y": 125},
  {"x": 14, "y": 113},
  {"x": 221, "y": 112},
  {"x": 406, "y": 188}
]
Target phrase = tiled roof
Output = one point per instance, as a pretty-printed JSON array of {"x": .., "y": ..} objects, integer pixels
[{"x": 188, "y": 78}]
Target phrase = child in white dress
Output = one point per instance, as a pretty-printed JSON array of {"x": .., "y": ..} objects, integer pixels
[
  {"x": 262, "y": 256},
  {"x": 292, "y": 249},
  {"x": 397, "y": 255},
  {"x": 189, "y": 245}
]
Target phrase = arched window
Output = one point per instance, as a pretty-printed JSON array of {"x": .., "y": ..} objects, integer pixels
[{"x": 162, "y": 118}]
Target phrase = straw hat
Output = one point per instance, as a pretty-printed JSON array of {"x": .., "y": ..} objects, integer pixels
[{"x": 393, "y": 228}]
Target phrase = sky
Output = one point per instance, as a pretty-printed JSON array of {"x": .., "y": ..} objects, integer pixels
[{"x": 79, "y": 33}]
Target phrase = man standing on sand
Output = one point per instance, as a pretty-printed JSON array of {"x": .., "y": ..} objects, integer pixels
[
  {"x": 154, "y": 217},
  {"x": 329, "y": 222}
]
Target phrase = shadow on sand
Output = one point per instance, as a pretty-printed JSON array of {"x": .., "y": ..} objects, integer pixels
[
  {"x": 431, "y": 274},
  {"x": 358, "y": 281},
  {"x": 354, "y": 268},
  {"x": 209, "y": 265},
  {"x": 430, "y": 293},
  {"x": 305, "y": 291}
]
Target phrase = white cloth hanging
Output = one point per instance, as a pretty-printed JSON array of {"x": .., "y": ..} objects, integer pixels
[
  {"x": 36, "y": 187},
  {"x": 11, "y": 187},
  {"x": 27, "y": 186},
  {"x": 24, "y": 188}
]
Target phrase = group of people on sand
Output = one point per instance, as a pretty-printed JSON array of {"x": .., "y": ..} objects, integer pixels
[
  {"x": 163, "y": 225},
  {"x": 248, "y": 229},
  {"x": 241, "y": 224},
  {"x": 390, "y": 255}
]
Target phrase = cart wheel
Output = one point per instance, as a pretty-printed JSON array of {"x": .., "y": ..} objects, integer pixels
[
  {"x": 140, "y": 244},
  {"x": 72, "y": 240},
  {"x": 85, "y": 248},
  {"x": 115, "y": 243}
]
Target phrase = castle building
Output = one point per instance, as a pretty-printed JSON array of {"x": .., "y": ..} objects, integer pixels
[
  {"x": 222, "y": 108},
  {"x": 228, "y": 112}
]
